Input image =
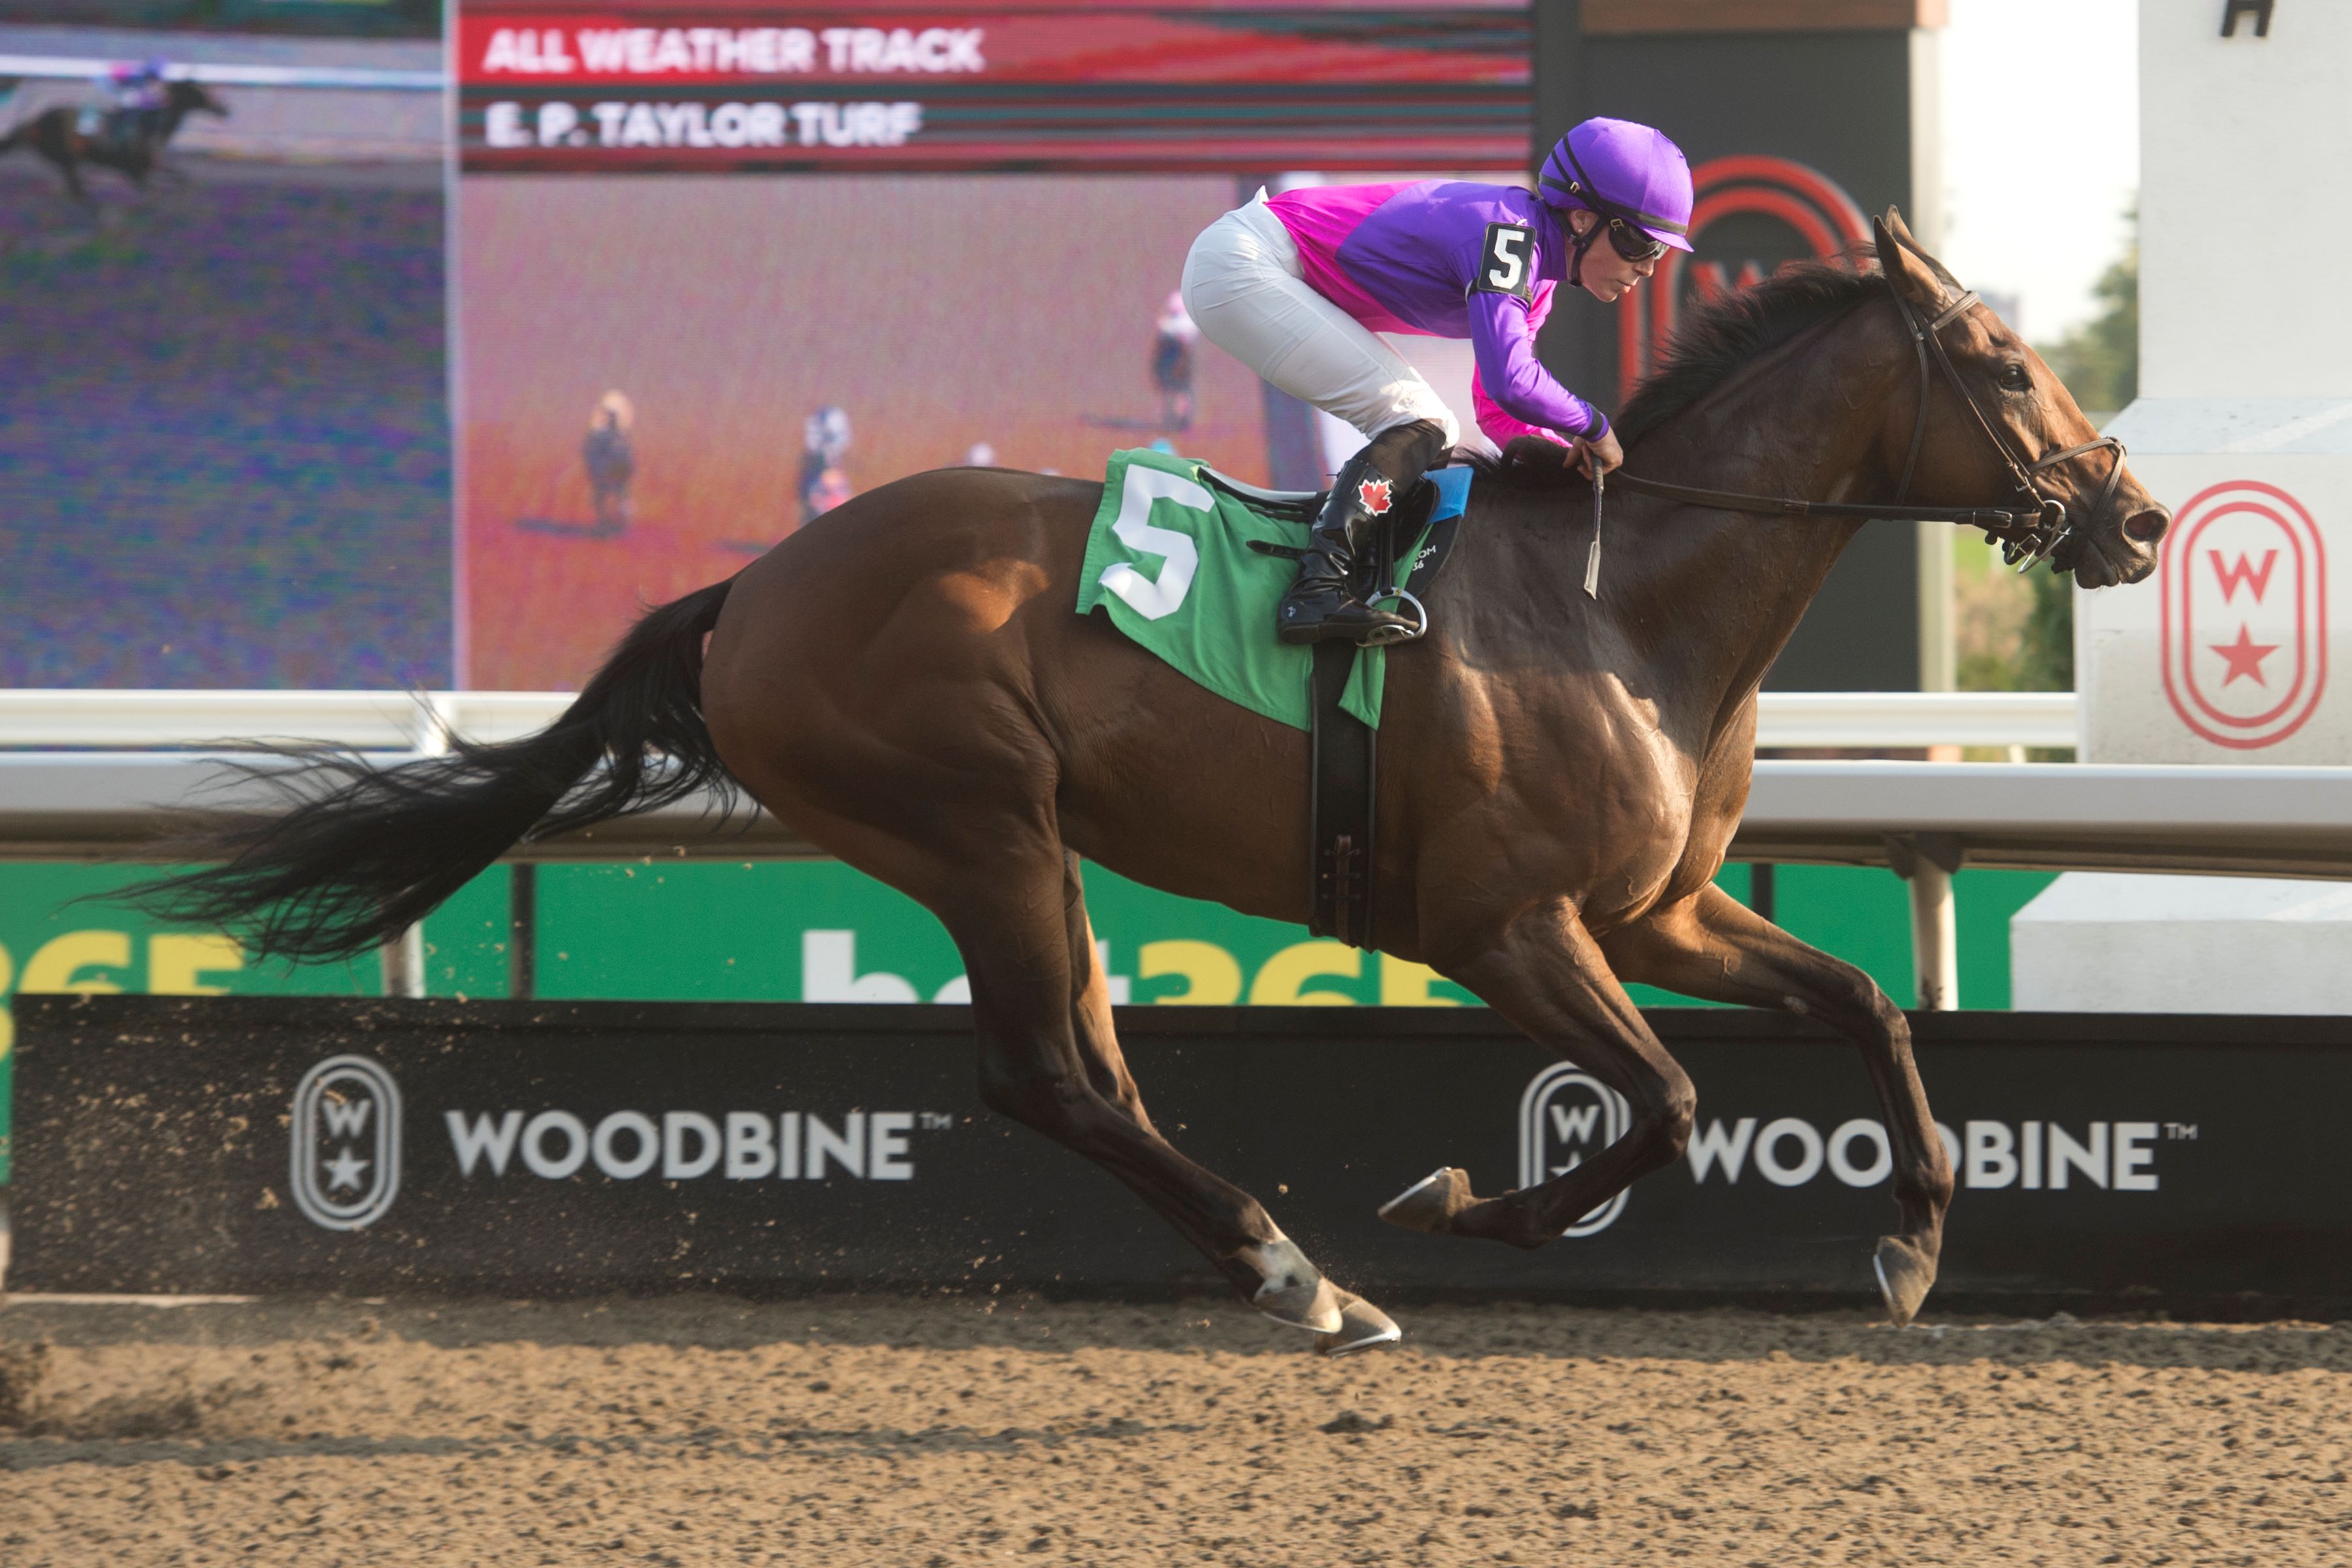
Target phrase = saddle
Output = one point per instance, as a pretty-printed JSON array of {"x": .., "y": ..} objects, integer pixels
[
  {"x": 118, "y": 130},
  {"x": 1343, "y": 752}
]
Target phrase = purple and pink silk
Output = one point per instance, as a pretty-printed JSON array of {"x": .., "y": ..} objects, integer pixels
[{"x": 1402, "y": 259}]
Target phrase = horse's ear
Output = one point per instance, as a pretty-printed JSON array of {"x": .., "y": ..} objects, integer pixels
[{"x": 1903, "y": 264}]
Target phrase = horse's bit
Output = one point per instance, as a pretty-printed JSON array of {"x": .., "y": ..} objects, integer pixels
[{"x": 2028, "y": 532}]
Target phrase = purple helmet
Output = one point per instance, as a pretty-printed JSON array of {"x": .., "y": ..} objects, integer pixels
[{"x": 1621, "y": 170}]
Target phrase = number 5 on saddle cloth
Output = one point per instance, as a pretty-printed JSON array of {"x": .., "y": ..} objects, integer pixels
[{"x": 1190, "y": 563}]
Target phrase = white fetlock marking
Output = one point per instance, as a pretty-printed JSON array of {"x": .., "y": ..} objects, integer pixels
[
  {"x": 1411, "y": 1192},
  {"x": 1294, "y": 1292},
  {"x": 1280, "y": 1264}
]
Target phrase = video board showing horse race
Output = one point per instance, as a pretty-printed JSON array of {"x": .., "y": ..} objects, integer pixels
[
  {"x": 719, "y": 269},
  {"x": 223, "y": 426}
]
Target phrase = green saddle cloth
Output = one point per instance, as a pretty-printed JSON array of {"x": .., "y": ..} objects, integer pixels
[{"x": 1169, "y": 561}]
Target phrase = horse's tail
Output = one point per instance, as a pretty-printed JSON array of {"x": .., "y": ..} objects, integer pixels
[{"x": 360, "y": 854}]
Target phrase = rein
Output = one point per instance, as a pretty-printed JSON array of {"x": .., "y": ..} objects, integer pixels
[{"x": 2028, "y": 531}]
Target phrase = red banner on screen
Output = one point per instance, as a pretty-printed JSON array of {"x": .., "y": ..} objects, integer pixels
[
  {"x": 501, "y": 47},
  {"x": 1038, "y": 88}
]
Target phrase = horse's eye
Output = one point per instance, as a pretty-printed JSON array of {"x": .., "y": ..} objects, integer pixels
[{"x": 2015, "y": 377}]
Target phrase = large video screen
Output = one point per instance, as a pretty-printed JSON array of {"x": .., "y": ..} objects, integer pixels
[
  {"x": 720, "y": 269},
  {"x": 224, "y": 428}
]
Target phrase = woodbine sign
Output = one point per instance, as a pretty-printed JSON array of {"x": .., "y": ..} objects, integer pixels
[{"x": 266, "y": 1143}]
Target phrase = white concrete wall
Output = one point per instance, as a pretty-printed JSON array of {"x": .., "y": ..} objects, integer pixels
[
  {"x": 2245, "y": 402},
  {"x": 2243, "y": 223},
  {"x": 2263, "y": 560},
  {"x": 2105, "y": 943}
]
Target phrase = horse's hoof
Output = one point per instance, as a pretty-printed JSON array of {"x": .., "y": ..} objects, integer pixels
[
  {"x": 1430, "y": 1202},
  {"x": 1361, "y": 1326},
  {"x": 1294, "y": 1293},
  {"x": 1905, "y": 1273}
]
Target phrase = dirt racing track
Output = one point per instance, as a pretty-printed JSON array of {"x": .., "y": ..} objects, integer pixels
[{"x": 851, "y": 1431}]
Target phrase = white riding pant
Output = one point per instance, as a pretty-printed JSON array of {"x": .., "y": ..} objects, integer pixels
[{"x": 1245, "y": 287}]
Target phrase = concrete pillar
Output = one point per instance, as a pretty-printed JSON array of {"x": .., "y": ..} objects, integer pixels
[
  {"x": 403, "y": 964},
  {"x": 1927, "y": 861},
  {"x": 404, "y": 957},
  {"x": 523, "y": 930},
  {"x": 1935, "y": 938}
]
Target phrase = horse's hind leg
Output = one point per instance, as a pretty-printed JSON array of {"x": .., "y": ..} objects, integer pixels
[
  {"x": 1544, "y": 973},
  {"x": 1712, "y": 946},
  {"x": 1363, "y": 1324}
]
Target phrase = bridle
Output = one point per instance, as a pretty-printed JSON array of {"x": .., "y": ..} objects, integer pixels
[{"x": 2028, "y": 530}]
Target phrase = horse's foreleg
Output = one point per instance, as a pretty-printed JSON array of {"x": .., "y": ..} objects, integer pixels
[
  {"x": 1712, "y": 946},
  {"x": 1544, "y": 973}
]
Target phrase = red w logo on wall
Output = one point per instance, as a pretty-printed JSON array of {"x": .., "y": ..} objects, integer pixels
[
  {"x": 2243, "y": 631},
  {"x": 2243, "y": 571},
  {"x": 1752, "y": 203}
]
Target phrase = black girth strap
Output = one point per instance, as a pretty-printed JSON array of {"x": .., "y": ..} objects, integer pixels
[
  {"x": 1343, "y": 752},
  {"x": 1344, "y": 766}
]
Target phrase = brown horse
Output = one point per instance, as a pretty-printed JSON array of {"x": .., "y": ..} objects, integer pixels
[
  {"x": 905, "y": 683},
  {"x": 130, "y": 140}
]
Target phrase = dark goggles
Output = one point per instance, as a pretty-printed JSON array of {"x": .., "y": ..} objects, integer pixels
[{"x": 1635, "y": 244}]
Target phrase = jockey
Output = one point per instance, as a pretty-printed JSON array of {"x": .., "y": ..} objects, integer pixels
[
  {"x": 139, "y": 86},
  {"x": 141, "y": 94},
  {"x": 1296, "y": 286}
]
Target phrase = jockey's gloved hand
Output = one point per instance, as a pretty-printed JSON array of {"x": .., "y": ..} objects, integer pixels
[{"x": 1602, "y": 450}]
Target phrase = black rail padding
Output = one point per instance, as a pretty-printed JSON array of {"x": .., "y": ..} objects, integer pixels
[{"x": 2107, "y": 1160}]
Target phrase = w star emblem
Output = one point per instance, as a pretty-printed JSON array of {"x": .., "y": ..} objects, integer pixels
[{"x": 1374, "y": 495}]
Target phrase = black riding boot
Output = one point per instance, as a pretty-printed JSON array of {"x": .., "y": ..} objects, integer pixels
[{"x": 1322, "y": 602}]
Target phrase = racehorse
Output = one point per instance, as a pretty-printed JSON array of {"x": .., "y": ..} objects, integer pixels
[
  {"x": 129, "y": 140},
  {"x": 905, "y": 684}
]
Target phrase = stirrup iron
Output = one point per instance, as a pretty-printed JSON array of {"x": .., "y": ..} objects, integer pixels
[{"x": 1385, "y": 636}]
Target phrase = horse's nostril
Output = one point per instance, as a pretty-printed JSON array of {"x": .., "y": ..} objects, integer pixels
[{"x": 2148, "y": 527}]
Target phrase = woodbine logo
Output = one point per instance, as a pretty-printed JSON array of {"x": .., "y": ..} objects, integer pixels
[
  {"x": 688, "y": 1145},
  {"x": 2036, "y": 1156},
  {"x": 345, "y": 1161},
  {"x": 1567, "y": 1116}
]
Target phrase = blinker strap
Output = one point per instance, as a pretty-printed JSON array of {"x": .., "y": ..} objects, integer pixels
[
  {"x": 2054, "y": 458},
  {"x": 1955, "y": 309}
]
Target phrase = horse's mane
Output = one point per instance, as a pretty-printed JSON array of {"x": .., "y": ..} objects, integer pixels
[{"x": 1713, "y": 341}]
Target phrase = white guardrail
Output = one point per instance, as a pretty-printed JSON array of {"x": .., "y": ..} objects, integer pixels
[
  {"x": 69, "y": 67},
  {"x": 97, "y": 774},
  {"x": 100, "y": 775},
  {"x": 399, "y": 721}
]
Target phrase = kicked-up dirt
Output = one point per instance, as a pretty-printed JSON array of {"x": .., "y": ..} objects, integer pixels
[{"x": 929, "y": 1432}]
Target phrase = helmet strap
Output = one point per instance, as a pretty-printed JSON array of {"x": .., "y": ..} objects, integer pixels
[{"x": 1578, "y": 244}]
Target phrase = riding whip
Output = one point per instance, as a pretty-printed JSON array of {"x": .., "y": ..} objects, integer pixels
[{"x": 1593, "y": 556}]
